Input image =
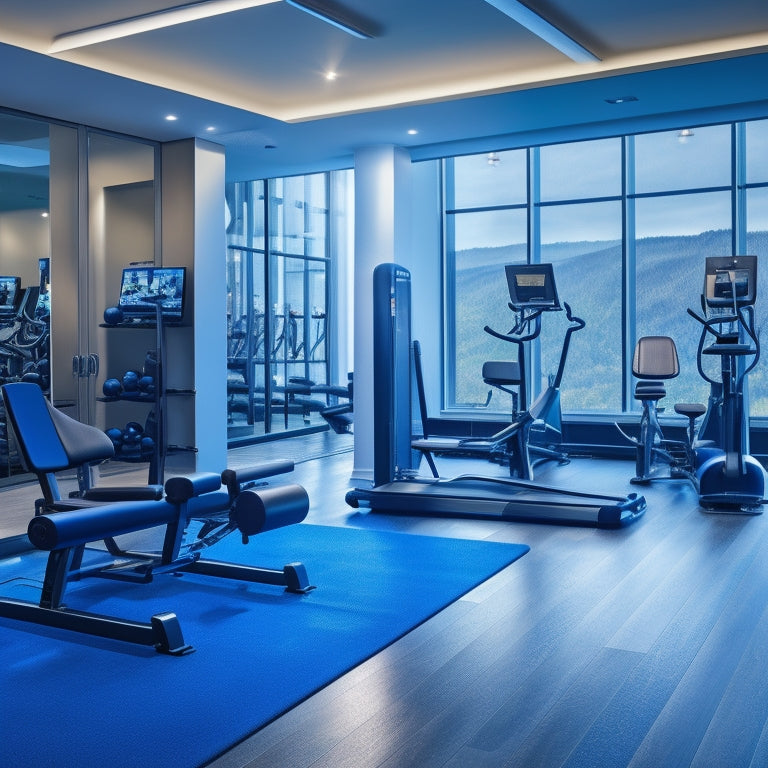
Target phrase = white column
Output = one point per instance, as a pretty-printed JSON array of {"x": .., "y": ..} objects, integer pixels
[
  {"x": 382, "y": 235},
  {"x": 194, "y": 236}
]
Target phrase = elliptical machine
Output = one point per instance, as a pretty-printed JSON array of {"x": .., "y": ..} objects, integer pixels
[{"x": 727, "y": 477}]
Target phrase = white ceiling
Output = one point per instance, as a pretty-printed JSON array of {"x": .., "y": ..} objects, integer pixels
[{"x": 450, "y": 69}]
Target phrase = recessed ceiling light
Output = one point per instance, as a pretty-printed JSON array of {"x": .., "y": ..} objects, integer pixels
[
  {"x": 412, "y": 131},
  {"x": 210, "y": 128},
  {"x": 171, "y": 118},
  {"x": 621, "y": 99}
]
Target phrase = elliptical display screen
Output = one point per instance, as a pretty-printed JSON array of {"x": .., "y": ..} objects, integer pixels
[
  {"x": 10, "y": 293},
  {"x": 730, "y": 281},
  {"x": 143, "y": 288},
  {"x": 532, "y": 285}
]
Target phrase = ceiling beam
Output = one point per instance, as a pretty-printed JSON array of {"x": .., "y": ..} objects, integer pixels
[{"x": 542, "y": 28}]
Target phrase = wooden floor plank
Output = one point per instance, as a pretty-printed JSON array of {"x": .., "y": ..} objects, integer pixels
[
  {"x": 624, "y": 724},
  {"x": 734, "y": 733},
  {"x": 643, "y": 646},
  {"x": 676, "y": 734}
]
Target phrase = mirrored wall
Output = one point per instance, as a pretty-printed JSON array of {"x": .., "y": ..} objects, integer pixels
[
  {"x": 25, "y": 261},
  {"x": 285, "y": 243}
]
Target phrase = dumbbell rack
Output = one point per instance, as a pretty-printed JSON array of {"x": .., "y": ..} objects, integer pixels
[{"x": 156, "y": 471}]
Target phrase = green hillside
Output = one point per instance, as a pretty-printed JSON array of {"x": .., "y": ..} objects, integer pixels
[{"x": 670, "y": 274}]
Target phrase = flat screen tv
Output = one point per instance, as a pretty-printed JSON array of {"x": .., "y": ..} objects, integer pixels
[
  {"x": 10, "y": 294},
  {"x": 143, "y": 288}
]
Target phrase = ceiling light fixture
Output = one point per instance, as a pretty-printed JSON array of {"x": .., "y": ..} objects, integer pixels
[
  {"x": 493, "y": 159},
  {"x": 330, "y": 75},
  {"x": 412, "y": 132},
  {"x": 540, "y": 27},
  {"x": 684, "y": 135},
  {"x": 345, "y": 23},
  {"x": 621, "y": 99},
  {"x": 171, "y": 118},
  {"x": 146, "y": 22}
]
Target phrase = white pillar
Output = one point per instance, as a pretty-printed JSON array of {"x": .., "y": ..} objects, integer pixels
[
  {"x": 194, "y": 236},
  {"x": 382, "y": 235}
]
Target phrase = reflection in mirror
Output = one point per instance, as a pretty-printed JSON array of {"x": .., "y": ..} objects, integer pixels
[{"x": 25, "y": 297}]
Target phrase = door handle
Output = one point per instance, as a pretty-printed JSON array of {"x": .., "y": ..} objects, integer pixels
[{"x": 85, "y": 365}]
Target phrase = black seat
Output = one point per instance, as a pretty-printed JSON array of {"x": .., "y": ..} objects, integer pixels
[
  {"x": 654, "y": 362},
  {"x": 427, "y": 445},
  {"x": 49, "y": 442}
]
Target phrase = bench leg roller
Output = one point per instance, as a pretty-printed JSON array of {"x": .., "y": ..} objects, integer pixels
[{"x": 269, "y": 508}]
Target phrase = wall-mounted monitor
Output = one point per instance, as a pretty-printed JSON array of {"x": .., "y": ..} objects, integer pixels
[
  {"x": 144, "y": 287},
  {"x": 10, "y": 295}
]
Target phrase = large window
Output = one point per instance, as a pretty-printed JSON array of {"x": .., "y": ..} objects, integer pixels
[
  {"x": 486, "y": 227},
  {"x": 580, "y": 233},
  {"x": 627, "y": 222}
]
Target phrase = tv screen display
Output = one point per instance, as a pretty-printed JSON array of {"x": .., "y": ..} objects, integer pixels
[
  {"x": 10, "y": 293},
  {"x": 143, "y": 288}
]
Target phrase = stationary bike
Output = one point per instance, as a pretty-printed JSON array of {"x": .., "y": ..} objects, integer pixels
[{"x": 536, "y": 428}]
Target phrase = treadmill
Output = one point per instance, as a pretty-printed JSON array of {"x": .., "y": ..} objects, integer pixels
[{"x": 397, "y": 488}]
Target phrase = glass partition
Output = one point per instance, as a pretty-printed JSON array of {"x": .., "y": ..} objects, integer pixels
[{"x": 280, "y": 236}]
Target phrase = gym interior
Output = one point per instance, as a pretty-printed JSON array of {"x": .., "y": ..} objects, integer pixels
[{"x": 476, "y": 375}]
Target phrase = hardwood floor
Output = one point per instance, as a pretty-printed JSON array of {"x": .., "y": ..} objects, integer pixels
[
  {"x": 638, "y": 647},
  {"x": 641, "y": 647}
]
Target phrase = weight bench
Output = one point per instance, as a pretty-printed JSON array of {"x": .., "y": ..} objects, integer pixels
[{"x": 196, "y": 502}]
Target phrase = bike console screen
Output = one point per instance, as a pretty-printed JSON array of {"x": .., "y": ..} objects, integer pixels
[
  {"x": 730, "y": 281},
  {"x": 532, "y": 285}
]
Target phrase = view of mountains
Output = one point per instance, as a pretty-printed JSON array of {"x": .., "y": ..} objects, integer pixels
[{"x": 669, "y": 277}]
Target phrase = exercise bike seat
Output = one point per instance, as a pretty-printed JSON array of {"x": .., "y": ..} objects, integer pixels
[
  {"x": 501, "y": 372},
  {"x": 691, "y": 410}
]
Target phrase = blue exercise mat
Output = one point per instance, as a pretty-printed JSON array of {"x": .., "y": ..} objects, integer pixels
[{"x": 71, "y": 700}]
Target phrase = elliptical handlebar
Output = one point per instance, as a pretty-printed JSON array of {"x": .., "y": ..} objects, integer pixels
[
  {"x": 578, "y": 323},
  {"x": 745, "y": 317},
  {"x": 517, "y": 335}
]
